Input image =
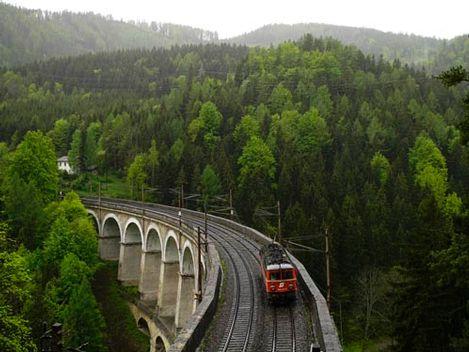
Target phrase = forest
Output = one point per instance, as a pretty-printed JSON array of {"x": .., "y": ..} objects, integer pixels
[
  {"x": 435, "y": 54},
  {"x": 30, "y": 35},
  {"x": 33, "y": 35},
  {"x": 374, "y": 151}
]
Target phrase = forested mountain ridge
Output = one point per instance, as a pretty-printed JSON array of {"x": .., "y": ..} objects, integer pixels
[
  {"x": 408, "y": 48},
  {"x": 30, "y": 35}
]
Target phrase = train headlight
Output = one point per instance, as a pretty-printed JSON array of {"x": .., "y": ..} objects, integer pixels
[
  {"x": 290, "y": 286},
  {"x": 272, "y": 287}
]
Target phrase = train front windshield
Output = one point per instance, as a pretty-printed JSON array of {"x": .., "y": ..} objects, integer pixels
[
  {"x": 281, "y": 275},
  {"x": 287, "y": 274}
]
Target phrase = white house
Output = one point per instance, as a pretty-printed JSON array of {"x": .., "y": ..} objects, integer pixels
[{"x": 64, "y": 165}]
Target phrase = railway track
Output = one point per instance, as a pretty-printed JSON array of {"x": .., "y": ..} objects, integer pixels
[
  {"x": 242, "y": 312},
  {"x": 239, "y": 328},
  {"x": 283, "y": 339},
  {"x": 246, "y": 321}
]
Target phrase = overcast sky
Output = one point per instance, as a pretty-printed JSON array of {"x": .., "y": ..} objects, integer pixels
[{"x": 435, "y": 18}]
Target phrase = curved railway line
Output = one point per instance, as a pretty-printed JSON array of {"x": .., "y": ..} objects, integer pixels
[{"x": 251, "y": 324}]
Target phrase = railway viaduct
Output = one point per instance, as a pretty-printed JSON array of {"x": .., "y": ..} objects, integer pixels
[{"x": 179, "y": 287}]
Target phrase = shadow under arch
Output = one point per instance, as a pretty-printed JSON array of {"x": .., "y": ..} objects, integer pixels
[
  {"x": 151, "y": 265},
  {"x": 143, "y": 326},
  {"x": 109, "y": 239},
  {"x": 159, "y": 345},
  {"x": 169, "y": 277},
  {"x": 187, "y": 287},
  {"x": 131, "y": 253}
]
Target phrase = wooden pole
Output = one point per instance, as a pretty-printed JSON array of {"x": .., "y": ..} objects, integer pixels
[
  {"x": 205, "y": 225},
  {"x": 231, "y": 206},
  {"x": 99, "y": 205},
  {"x": 279, "y": 228},
  {"x": 328, "y": 270},
  {"x": 199, "y": 266},
  {"x": 180, "y": 199},
  {"x": 182, "y": 195}
]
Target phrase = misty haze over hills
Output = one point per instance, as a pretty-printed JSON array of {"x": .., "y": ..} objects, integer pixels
[{"x": 30, "y": 35}]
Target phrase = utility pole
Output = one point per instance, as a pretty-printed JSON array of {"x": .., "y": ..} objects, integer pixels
[
  {"x": 143, "y": 209},
  {"x": 231, "y": 206},
  {"x": 279, "y": 228},
  {"x": 328, "y": 270},
  {"x": 199, "y": 266},
  {"x": 205, "y": 225},
  {"x": 99, "y": 203},
  {"x": 180, "y": 199},
  {"x": 182, "y": 195}
]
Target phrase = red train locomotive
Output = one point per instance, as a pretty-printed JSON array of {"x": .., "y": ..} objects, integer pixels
[{"x": 278, "y": 273}]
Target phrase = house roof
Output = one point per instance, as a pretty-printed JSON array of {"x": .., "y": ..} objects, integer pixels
[{"x": 63, "y": 159}]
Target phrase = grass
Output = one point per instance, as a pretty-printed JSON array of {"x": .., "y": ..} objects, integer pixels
[
  {"x": 87, "y": 184},
  {"x": 122, "y": 333}
]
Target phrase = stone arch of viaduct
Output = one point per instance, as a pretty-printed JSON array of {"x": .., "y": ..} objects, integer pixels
[{"x": 158, "y": 258}]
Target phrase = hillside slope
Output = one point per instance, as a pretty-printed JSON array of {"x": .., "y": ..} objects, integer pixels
[
  {"x": 29, "y": 35},
  {"x": 407, "y": 48}
]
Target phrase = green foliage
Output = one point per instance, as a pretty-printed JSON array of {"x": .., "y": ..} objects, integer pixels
[
  {"x": 83, "y": 324},
  {"x": 322, "y": 101},
  {"x": 68, "y": 261},
  {"x": 60, "y": 136},
  {"x": 438, "y": 53},
  {"x": 70, "y": 232},
  {"x": 121, "y": 331},
  {"x": 453, "y": 205},
  {"x": 30, "y": 182},
  {"x": 207, "y": 125},
  {"x": 77, "y": 237},
  {"x": 4, "y": 153},
  {"x": 34, "y": 162},
  {"x": 153, "y": 160},
  {"x": 370, "y": 148},
  {"x": 430, "y": 171},
  {"x": 177, "y": 150},
  {"x": 257, "y": 164},
  {"x": 312, "y": 133},
  {"x": 454, "y": 76},
  {"x": 248, "y": 127},
  {"x": 136, "y": 174},
  {"x": 280, "y": 99},
  {"x": 91, "y": 148},
  {"x": 75, "y": 154},
  {"x": 380, "y": 167},
  {"x": 256, "y": 174},
  {"x": 14, "y": 333},
  {"x": 209, "y": 184},
  {"x": 70, "y": 207},
  {"x": 15, "y": 281},
  {"x": 72, "y": 273},
  {"x": 64, "y": 34}
]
